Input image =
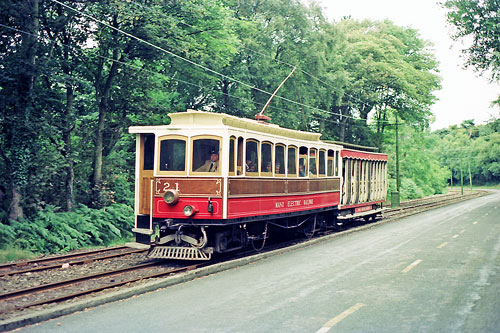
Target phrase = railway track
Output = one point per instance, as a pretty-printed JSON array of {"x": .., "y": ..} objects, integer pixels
[
  {"x": 79, "y": 258},
  {"x": 85, "y": 285},
  {"x": 41, "y": 294},
  {"x": 416, "y": 206}
]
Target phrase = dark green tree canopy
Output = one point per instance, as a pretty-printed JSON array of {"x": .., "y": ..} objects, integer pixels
[
  {"x": 70, "y": 86},
  {"x": 477, "y": 23}
]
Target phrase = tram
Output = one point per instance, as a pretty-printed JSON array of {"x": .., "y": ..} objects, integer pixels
[{"x": 213, "y": 183}]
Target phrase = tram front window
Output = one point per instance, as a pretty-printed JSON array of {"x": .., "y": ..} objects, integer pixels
[
  {"x": 172, "y": 155},
  {"x": 206, "y": 155}
]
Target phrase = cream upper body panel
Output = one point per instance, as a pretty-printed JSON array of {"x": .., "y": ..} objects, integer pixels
[{"x": 198, "y": 122}]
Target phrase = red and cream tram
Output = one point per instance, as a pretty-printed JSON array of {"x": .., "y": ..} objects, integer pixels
[{"x": 211, "y": 182}]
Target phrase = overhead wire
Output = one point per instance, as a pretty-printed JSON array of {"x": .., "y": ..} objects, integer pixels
[
  {"x": 142, "y": 69},
  {"x": 202, "y": 66},
  {"x": 326, "y": 84}
]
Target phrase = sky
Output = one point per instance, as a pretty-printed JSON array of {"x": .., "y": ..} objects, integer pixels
[{"x": 464, "y": 94}]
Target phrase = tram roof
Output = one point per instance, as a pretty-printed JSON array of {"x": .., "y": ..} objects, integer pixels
[{"x": 193, "y": 119}]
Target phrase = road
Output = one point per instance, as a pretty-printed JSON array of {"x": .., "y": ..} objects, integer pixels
[{"x": 436, "y": 271}]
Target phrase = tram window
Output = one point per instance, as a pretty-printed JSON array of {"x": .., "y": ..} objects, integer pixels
[
  {"x": 331, "y": 163},
  {"x": 302, "y": 166},
  {"x": 232, "y": 143},
  {"x": 336, "y": 163},
  {"x": 206, "y": 155},
  {"x": 279, "y": 160},
  {"x": 239, "y": 161},
  {"x": 266, "y": 166},
  {"x": 313, "y": 167},
  {"x": 292, "y": 161},
  {"x": 149, "y": 151},
  {"x": 252, "y": 158},
  {"x": 321, "y": 162},
  {"x": 172, "y": 154},
  {"x": 303, "y": 162}
]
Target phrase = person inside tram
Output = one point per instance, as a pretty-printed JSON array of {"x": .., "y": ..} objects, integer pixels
[
  {"x": 212, "y": 164},
  {"x": 312, "y": 169},
  {"x": 277, "y": 168},
  {"x": 302, "y": 172},
  {"x": 250, "y": 166},
  {"x": 269, "y": 167}
]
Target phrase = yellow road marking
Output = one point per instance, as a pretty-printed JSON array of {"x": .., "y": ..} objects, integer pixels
[
  {"x": 455, "y": 236},
  {"x": 462, "y": 231},
  {"x": 334, "y": 321},
  {"x": 411, "y": 266},
  {"x": 442, "y": 245}
]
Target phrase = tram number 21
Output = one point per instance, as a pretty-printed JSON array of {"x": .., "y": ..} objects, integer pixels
[
  {"x": 167, "y": 186},
  {"x": 163, "y": 186}
]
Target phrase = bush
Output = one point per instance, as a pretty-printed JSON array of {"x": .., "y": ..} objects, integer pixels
[
  {"x": 409, "y": 190},
  {"x": 51, "y": 232}
]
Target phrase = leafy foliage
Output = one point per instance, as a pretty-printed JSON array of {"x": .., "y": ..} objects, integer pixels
[
  {"x": 471, "y": 147},
  {"x": 51, "y": 232},
  {"x": 478, "y": 20},
  {"x": 421, "y": 171},
  {"x": 70, "y": 88}
]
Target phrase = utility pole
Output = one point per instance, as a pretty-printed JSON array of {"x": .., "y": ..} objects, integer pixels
[
  {"x": 468, "y": 160},
  {"x": 395, "y": 199},
  {"x": 398, "y": 182},
  {"x": 462, "y": 180},
  {"x": 470, "y": 177}
]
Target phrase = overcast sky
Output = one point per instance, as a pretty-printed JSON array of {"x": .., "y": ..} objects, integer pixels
[{"x": 464, "y": 94}]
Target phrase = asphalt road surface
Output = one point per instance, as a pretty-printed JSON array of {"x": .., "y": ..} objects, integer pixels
[{"x": 432, "y": 272}]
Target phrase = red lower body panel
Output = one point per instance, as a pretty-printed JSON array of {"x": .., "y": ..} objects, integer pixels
[
  {"x": 362, "y": 205},
  {"x": 162, "y": 210},
  {"x": 258, "y": 206}
]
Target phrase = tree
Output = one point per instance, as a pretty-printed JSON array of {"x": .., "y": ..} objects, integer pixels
[
  {"x": 388, "y": 69},
  {"x": 478, "y": 20},
  {"x": 17, "y": 97},
  {"x": 471, "y": 146},
  {"x": 115, "y": 50}
]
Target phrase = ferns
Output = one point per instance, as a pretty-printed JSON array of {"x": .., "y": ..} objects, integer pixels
[{"x": 51, "y": 232}]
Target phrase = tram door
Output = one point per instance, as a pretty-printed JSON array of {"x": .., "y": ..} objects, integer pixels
[{"x": 146, "y": 165}]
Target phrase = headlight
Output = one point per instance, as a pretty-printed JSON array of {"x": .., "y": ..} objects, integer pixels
[
  {"x": 189, "y": 210},
  {"x": 171, "y": 197}
]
